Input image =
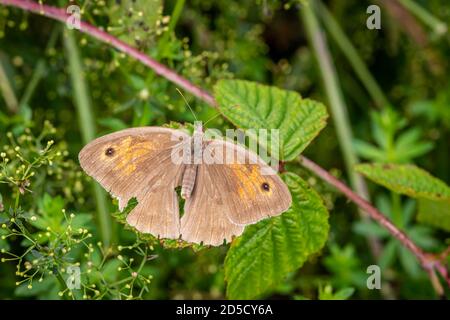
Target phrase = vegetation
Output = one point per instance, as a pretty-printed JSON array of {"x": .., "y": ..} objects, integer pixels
[{"x": 371, "y": 107}]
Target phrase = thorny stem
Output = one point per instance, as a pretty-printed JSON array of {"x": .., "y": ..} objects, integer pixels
[
  {"x": 431, "y": 263},
  {"x": 428, "y": 261}
]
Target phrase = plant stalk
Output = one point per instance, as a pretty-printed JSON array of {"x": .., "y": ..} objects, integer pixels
[
  {"x": 7, "y": 91},
  {"x": 352, "y": 56},
  {"x": 423, "y": 15},
  {"x": 87, "y": 125},
  {"x": 428, "y": 261}
]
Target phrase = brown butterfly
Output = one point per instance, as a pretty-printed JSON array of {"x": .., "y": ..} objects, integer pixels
[{"x": 221, "y": 198}]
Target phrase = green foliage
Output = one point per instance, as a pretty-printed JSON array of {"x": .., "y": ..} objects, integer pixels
[
  {"x": 394, "y": 142},
  {"x": 49, "y": 217},
  {"x": 402, "y": 214},
  {"x": 136, "y": 21},
  {"x": 435, "y": 213},
  {"x": 269, "y": 250},
  {"x": 345, "y": 266},
  {"x": 397, "y": 144},
  {"x": 252, "y": 105},
  {"x": 326, "y": 293},
  {"x": 406, "y": 179},
  {"x": 52, "y": 241},
  {"x": 272, "y": 248}
]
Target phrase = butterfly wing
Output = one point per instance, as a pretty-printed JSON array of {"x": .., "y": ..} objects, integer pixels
[
  {"x": 137, "y": 163},
  {"x": 230, "y": 194},
  {"x": 205, "y": 217}
]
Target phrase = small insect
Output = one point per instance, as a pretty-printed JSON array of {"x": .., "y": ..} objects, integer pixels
[{"x": 220, "y": 198}]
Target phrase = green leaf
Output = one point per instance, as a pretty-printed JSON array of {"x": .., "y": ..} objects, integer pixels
[
  {"x": 250, "y": 105},
  {"x": 406, "y": 179},
  {"x": 389, "y": 253},
  {"x": 423, "y": 237},
  {"x": 51, "y": 213},
  {"x": 112, "y": 123},
  {"x": 327, "y": 293},
  {"x": 368, "y": 151},
  {"x": 370, "y": 229},
  {"x": 37, "y": 287},
  {"x": 409, "y": 262},
  {"x": 272, "y": 248},
  {"x": 434, "y": 213}
]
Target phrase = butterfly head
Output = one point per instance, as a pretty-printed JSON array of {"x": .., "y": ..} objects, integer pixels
[{"x": 198, "y": 127}]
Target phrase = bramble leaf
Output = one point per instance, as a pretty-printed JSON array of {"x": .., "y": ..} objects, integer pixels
[
  {"x": 406, "y": 179},
  {"x": 250, "y": 105},
  {"x": 270, "y": 249}
]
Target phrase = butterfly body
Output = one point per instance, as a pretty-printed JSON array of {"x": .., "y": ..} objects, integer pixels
[
  {"x": 222, "y": 182},
  {"x": 190, "y": 173}
]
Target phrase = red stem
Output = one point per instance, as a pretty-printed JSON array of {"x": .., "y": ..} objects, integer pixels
[
  {"x": 160, "y": 69},
  {"x": 428, "y": 261}
]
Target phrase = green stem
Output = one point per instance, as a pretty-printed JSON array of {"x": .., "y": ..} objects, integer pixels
[
  {"x": 335, "y": 98},
  {"x": 61, "y": 280},
  {"x": 39, "y": 71},
  {"x": 427, "y": 18},
  {"x": 352, "y": 56},
  {"x": 338, "y": 111},
  {"x": 87, "y": 124},
  {"x": 176, "y": 13},
  {"x": 174, "y": 17}
]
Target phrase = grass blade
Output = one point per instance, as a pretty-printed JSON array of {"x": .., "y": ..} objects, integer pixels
[
  {"x": 352, "y": 56},
  {"x": 7, "y": 91},
  {"x": 87, "y": 125}
]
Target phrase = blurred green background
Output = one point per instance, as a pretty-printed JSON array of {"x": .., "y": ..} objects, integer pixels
[{"x": 60, "y": 85}]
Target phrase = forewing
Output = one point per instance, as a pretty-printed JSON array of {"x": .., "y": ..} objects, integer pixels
[
  {"x": 137, "y": 163},
  {"x": 251, "y": 189}
]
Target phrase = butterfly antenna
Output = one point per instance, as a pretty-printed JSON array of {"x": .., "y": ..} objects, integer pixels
[
  {"x": 218, "y": 114},
  {"x": 181, "y": 94}
]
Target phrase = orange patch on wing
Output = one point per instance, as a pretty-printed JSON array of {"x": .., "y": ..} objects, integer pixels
[
  {"x": 130, "y": 153},
  {"x": 250, "y": 181}
]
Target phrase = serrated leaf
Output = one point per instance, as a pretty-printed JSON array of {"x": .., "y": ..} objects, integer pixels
[
  {"x": 434, "y": 213},
  {"x": 270, "y": 249},
  {"x": 250, "y": 105},
  {"x": 406, "y": 179}
]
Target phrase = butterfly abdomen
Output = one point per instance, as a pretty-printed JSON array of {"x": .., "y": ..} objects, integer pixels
[{"x": 187, "y": 185}]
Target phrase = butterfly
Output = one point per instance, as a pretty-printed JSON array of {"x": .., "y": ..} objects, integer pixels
[{"x": 221, "y": 197}]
